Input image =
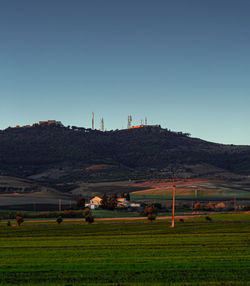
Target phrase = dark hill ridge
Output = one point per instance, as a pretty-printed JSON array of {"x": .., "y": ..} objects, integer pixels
[{"x": 28, "y": 151}]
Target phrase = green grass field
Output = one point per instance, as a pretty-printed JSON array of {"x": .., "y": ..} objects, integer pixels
[{"x": 128, "y": 253}]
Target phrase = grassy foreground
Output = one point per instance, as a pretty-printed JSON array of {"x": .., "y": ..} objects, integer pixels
[{"x": 135, "y": 253}]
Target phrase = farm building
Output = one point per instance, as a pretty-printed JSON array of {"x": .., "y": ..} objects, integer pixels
[{"x": 96, "y": 201}]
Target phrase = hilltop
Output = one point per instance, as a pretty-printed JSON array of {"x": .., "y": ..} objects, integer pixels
[{"x": 68, "y": 154}]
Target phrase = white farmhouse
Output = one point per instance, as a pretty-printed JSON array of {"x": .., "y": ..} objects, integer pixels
[{"x": 94, "y": 203}]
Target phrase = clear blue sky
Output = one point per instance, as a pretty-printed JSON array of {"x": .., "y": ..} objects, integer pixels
[{"x": 185, "y": 64}]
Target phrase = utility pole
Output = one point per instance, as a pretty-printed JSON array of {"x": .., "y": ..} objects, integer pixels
[
  {"x": 173, "y": 204},
  {"x": 196, "y": 192},
  {"x": 60, "y": 205}
]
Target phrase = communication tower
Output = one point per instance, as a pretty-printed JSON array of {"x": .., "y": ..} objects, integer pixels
[
  {"x": 129, "y": 121},
  {"x": 146, "y": 121},
  {"x": 102, "y": 124},
  {"x": 92, "y": 120}
]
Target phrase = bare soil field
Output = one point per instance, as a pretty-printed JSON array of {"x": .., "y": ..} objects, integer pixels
[
  {"x": 25, "y": 194},
  {"x": 195, "y": 188}
]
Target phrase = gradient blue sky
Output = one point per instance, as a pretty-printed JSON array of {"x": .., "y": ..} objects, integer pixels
[{"x": 184, "y": 64}]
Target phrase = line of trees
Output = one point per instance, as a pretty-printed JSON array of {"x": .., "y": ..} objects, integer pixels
[{"x": 110, "y": 202}]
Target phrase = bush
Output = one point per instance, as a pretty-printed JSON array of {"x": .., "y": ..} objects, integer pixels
[
  {"x": 151, "y": 216},
  {"x": 8, "y": 223},
  {"x": 208, "y": 218},
  {"x": 149, "y": 209},
  {"x": 59, "y": 220},
  {"x": 181, "y": 220},
  {"x": 19, "y": 220},
  {"x": 150, "y": 212},
  {"x": 89, "y": 218},
  {"x": 86, "y": 212}
]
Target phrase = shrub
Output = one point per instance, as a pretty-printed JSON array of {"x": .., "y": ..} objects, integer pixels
[
  {"x": 151, "y": 216},
  {"x": 19, "y": 220},
  {"x": 59, "y": 220},
  {"x": 181, "y": 220},
  {"x": 150, "y": 212},
  {"x": 8, "y": 223},
  {"x": 89, "y": 218},
  {"x": 208, "y": 218},
  {"x": 86, "y": 212}
]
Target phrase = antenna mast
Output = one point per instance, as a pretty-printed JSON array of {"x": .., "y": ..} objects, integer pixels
[
  {"x": 92, "y": 120},
  {"x": 129, "y": 121},
  {"x": 102, "y": 124}
]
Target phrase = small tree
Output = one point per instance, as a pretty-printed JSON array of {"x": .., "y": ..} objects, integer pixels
[
  {"x": 150, "y": 212},
  {"x": 127, "y": 197},
  {"x": 112, "y": 202},
  {"x": 89, "y": 218},
  {"x": 86, "y": 212},
  {"x": 8, "y": 223},
  {"x": 104, "y": 202},
  {"x": 59, "y": 220},
  {"x": 151, "y": 216},
  {"x": 19, "y": 220}
]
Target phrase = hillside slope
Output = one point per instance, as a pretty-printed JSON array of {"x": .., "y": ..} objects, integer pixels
[{"x": 29, "y": 151}]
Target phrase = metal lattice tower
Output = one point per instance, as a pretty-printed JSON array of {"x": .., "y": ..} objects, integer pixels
[
  {"x": 102, "y": 124},
  {"x": 129, "y": 121},
  {"x": 93, "y": 121}
]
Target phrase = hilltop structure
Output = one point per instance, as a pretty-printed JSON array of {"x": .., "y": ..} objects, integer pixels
[{"x": 42, "y": 123}]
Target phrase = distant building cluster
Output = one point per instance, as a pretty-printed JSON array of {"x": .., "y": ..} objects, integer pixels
[
  {"x": 144, "y": 123},
  {"x": 42, "y": 123},
  {"x": 96, "y": 203},
  {"x": 50, "y": 122}
]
